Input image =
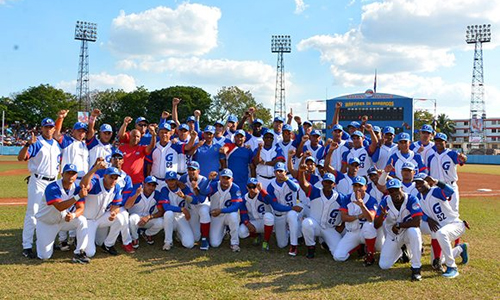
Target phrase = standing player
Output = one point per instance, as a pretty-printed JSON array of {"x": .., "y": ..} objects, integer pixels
[
  {"x": 141, "y": 125},
  {"x": 265, "y": 158},
  {"x": 400, "y": 214},
  {"x": 443, "y": 221},
  {"x": 424, "y": 145},
  {"x": 43, "y": 155},
  {"x": 344, "y": 181},
  {"x": 287, "y": 143},
  {"x": 404, "y": 154},
  {"x": 363, "y": 153},
  {"x": 208, "y": 153},
  {"x": 239, "y": 159},
  {"x": 99, "y": 146},
  {"x": 54, "y": 215},
  {"x": 254, "y": 217},
  {"x": 385, "y": 149}
]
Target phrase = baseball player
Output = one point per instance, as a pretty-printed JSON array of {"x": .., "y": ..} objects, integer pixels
[
  {"x": 287, "y": 143},
  {"x": 443, "y": 222},
  {"x": 404, "y": 154},
  {"x": 408, "y": 171},
  {"x": 278, "y": 129},
  {"x": 141, "y": 125},
  {"x": 339, "y": 149},
  {"x": 324, "y": 219},
  {"x": 231, "y": 127},
  {"x": 99, "y": 146},
  {"x": 378, "y": 192},
  {"x": 43, "y": 155},
  {"x": 400, "y": 214},
  {"x": 312, "y": 144},
  {"x": 256, "y": 138},
  {"x": 145, "y": 209},
  {"x": 208, "y": 153},
  {"x": 219, "y": 137},
  {"x": 385, "y": 149},
  {"x": 225, "y": 200},
  {"x": 54, "y": 215},
  {"x": 363, "y": 153},
  {"x": 254, "y": 217},
  {"x": 199, "y": 208},
  {"x": 344, "y": 181},
  {"x": 424, "y": 145},
  {"x": 442, "y": 165},
  {"x": 239, "y": 159},
  {"x": 357, "y": 211},
  {"x": 286, "y": 211},
  {"x": 265, "y": 158},
  {"x": 176, "y": 215},
  {"x": 183, "y": 138},
  {"x": 102, "y": 209}
]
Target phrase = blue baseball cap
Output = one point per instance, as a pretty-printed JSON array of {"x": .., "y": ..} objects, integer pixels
[
  {"x": 80, "y": 125},
  {"x": 171, "y": 175},
  {"x": 316, "y": 132},
  {"x": 209, "y": 128},
  {"x": 280, "y": 166},
  {"x": 218, "y": 122},
  {"x": 308, "y": 123},
  {"x": 232, "y": 119},
  {"x": 171, "y": 122},
  {"x": 403, "y": 136},
  {"x": 372, "y": 170},
  {"x": 140, "y": 119},
  {"x": 329, "y": 177},
  {"x": 311, "y": 159},
  {"x": 267, "y": 131},
  {"x": 190, "y": 119},
  {"x": 193, "y": 165},
  {"x": 258, "y": 121},
  {"x": 164, "y": 126},
  {"x": 420, "y": 177},
  {"x": 279, "y": 119},
  {"x": 70, "y": 168},
  {"x": 112, "y": 171},
  {"x": 441, "y": 136},
  {"x": 321, "y": 163},
  {"x": 240, "y": 131},
  {"x": 358, "y": 133},
  {"x": 48, "y": 122},
  {"x": 287, "y": 127},
  {"x": 359, "y": 180},
  {"x": 226, "y": 173},
  {"x": 337, "y": 127},
  {"x": 427, "y": 128},
  {"x": 354, "y": 160},
  {"x": 408, "y": 165},
  {"x": 252, "y": 180},
  {"x": 354, "y": 124},
  {"x": 184, "y": 127},
  {"x": 150, "y": 179},
  {"x": 376, "y": 129},
  {"x": 116, "y": 152},
  {"x": 393, "y": 184},
  {"x": 106, "y": 128},
  {"x": 388, "y": 129}
]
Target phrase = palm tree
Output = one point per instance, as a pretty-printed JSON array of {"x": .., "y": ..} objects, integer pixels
[{"x": 445, "y": 125}]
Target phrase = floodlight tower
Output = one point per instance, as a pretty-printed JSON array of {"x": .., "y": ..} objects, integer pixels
[
  {"x": 280, "y": 44},
  {"x": 477, "y": 35},
  {"x": 85, "y": 32}
]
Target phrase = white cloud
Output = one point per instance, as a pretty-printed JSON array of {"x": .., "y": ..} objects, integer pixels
[
  {"x": 190, "y": 29},
  {"x": 300, "y": 6},
  {"x": 102, "y": 81}
]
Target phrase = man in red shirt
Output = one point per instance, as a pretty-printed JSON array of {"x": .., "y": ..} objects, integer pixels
[{"x": 134, "y": 154}]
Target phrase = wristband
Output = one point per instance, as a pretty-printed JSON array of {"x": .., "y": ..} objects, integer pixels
[{"x": 77, "y": 197}]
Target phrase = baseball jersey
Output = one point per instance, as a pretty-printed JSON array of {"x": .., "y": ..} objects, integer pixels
[
  {"x": 373, "y": 190},
  {"x": 238, "y": 161},
  {"x": 364, "y": 156},
  {"x": 336, "y": 159},
  {"x": 352, "y": 209},
  {"x": 75, "y": 152},
  {"x": 44, "y": 157},
  {"x": 282, "y": 195},
  {"x": 146, "y": 205},
  {"x": 382, "y": 154},
  {"x": 410, "y": 188},
  {"x": 221, "y": 140},
  {"x": 409, "y": 209},
  {"x": 398, "y": 159},
  {"x": 164, "y": 159},
  {"x": 54, "y": 193},
  {"x": 318, "y": 152},
  {"x": 428, "y": 149},
  {"x": 99, "y": 199},
  {"x": 228, "y": 200},
  {"x": 124, "y": 181},
  {"x": 344, "y": 183},
  {"x": 184, "y": 159},
  {"x": 443, "y": 166},
  {"x": 267, "y": 155},
  {"x": 201, "y": 180},
  {"x": 171, "y": 201},
  {"x": 253, "y": 141},
  {"x": 208, "y": 156},
  {"x": 286, "y": 148},
  {"x": 254, "y": 208},
  {"x": 436, "y": 205},
  {"x": 325, "y": 210},
  {"x": 133, "y": 161},
  {"x": 278, "y": 137},
  {"x": 99, "y": 149}
]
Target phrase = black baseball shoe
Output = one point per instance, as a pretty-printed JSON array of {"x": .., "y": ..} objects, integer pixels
[
  {"x": 311, "y": 250},
  {"x": 81, "y": 258},
  {"x": 405, "y": 258},
  {"x": 111, "y": 250},
  {"x": 415, "y": 274},
  {"x": 28, "y": 252}
]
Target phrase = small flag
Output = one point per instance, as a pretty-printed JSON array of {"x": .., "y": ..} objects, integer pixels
[{"x": 375, "y": 82}]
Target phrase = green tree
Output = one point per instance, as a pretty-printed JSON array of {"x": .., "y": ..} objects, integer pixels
[
  {"x": 445, "y": 125},
  {"x": 234, "y": 101},
  {"x": 109, "y": 103},
  {"x": 421, "y": 117}
]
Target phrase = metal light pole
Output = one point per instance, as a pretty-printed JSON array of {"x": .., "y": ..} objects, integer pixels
[
  {"x": 85, "y": 32},
  {"x": 477, "y": 35},
  {"x": 280, "y": 44}
]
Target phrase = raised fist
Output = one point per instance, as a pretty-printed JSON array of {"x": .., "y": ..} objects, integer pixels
[
  {"x": 165, "y": 114},
  {"x": 338, "y": 104},
  {"x": 197, "y": 113},
  {"x": 127, "y": 120},
  {"x": 95, "y": 113},
  {"x": 62, "y": 113},
  {"x": 212, "y": 175},
  {"x": 176, "y": 101}
]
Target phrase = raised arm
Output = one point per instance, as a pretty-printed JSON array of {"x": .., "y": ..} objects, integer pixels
[
  {"x": 99, "y": 164},
  {"x": 93, "y": 117},
  {"x": 374, "y": 143},
  {"x": 123, "y": 128},
  {"x": 23, "y": 153},
  {"x": 152, "y": 131},
  {"x": 175, "y": 114},
  {"x": 59, "y": 121},
  {"x": 289, "y": 163},
  {"x": 304, "y": 184}
]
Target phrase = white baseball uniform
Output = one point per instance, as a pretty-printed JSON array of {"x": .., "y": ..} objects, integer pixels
[
  {"x": 99, "y": 149},
  {"x": 144, "y": 206},
  {"x": 253, "y": 210},
  {"x": 199, "y": 208},
  {"x": 75, "y": 152}
]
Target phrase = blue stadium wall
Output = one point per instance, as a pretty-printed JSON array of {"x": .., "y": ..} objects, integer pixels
[{"x": 382, "y": 110}]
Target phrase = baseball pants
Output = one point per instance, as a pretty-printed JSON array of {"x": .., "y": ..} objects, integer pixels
[
  {"x": 200, "y": 213},
  {"x": 391, "y": 250},
  {"x": 352, "y": 239},
  {"x": 36, "y": 188},
  {"x": 311, "y": 229},
  {"x": 152, "y": 227},
  {"x": 218, "y": 224},
  {"x": 445, "y": 236},
  {"x": 267, "y": 220},
  {"x": 102, "y": 224},
  {"x": 177, "y": 221},
  {"x": 290, "y": 218}
]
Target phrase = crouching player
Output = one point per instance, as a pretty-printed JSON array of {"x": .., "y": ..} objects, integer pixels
[
  {"x": 54, "y": 215},
  {"x": 146, "y": 212},
  {"x": 254, "y": 218},
  {"x": 400, "y": 214},
  {"x": 443, "y": 222}
]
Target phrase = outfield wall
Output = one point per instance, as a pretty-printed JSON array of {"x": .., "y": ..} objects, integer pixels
[{"x": 10, "y": 150}]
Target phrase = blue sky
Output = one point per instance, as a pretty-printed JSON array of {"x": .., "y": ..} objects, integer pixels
[{"x": 417, "y": 46}]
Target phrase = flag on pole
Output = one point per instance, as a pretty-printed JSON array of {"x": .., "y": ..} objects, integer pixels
[{"x": 375, "y": 82}]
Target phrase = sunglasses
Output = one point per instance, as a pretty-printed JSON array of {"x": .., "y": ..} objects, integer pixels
[
  {"x": 142, "y": 125},
  {"x": 251, "y": 186}
]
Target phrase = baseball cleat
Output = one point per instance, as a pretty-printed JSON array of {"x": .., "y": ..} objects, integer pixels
[
  {"x": 465, "y": 254},
  {"x": 293, "y": 251},
  {"x": 311, "y": 251},
  {"x": 436, "y": 265},
  {"x": 28, "y": 253},
  {"x": 235, "y": 248},
  {"x": 265, "y": 246},
  {"x": 135, "y": 243},
  {"x": 405, "y": 258},
  {"x": 81, "y": 258},
  {"x": 450, "y": 272},
  {"x": 148, "y": 238},
  {"x": 128, "y": 248},
  {"x": 369, "y": 259},
  {"x": 415, "y": 274},
  {"x": 111, "y": 250},
  {"x": 167, "y": 246},
  {"x": 204, "y": 244},
  {"x": 256, "y": 240},
  {"x": 64, "y": 246}
]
